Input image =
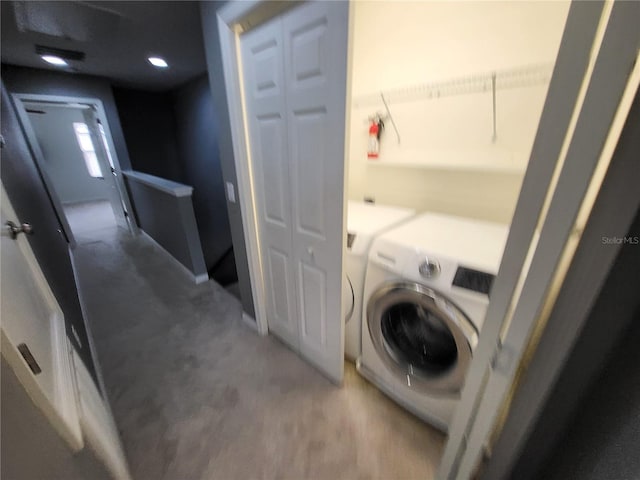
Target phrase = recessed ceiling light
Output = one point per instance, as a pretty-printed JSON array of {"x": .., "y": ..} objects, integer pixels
[
  {"x": 158, "y": 62},
  {"x": 54, "y": 60}
]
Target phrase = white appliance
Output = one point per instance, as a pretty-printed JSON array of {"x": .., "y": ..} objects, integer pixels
[
  {"x": 425, "y": 298},
  {"x": 364, "y": 222}
]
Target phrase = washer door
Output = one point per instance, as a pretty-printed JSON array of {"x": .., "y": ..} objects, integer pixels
[
  {"x": 348, "y": 299},
  {"x": 421, "y": 336}
]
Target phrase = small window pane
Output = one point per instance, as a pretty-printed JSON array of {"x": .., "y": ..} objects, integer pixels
[
  {"x": 81, "y": 127},
  {"x": 91, "y": 160},
  {"x": 86, "y": 145}
]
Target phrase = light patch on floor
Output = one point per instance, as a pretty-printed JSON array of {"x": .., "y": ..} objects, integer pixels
[
  {"x": 196, "y": 394},
  {"x": 86, "y": 218}
]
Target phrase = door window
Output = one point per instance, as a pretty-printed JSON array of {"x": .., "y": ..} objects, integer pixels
[{"x": 88, "y": 150}]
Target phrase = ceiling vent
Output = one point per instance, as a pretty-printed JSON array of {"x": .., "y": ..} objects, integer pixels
[{"x": 66, "y": 20}]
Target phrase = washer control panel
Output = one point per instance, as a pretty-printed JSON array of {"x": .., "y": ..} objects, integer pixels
[{"x": 473, "y": 280}]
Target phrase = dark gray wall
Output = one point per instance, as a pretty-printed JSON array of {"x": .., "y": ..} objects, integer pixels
[
  {"x": 170, "y": 221},
  {"x": 45, "y": 82},
  {"x": 604, "y": 440},
  {"x": 225, "y": 144},
  {"x": 63, "y": 157},
  {"x": 149, "y": 129},
  {"x": 31, "y": 448},
  {"x": 200, "y": 160}
]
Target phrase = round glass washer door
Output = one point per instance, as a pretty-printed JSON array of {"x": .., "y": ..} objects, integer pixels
[
  {"x": 422, "y": 336},
  {"x": 348, "y": 299}
]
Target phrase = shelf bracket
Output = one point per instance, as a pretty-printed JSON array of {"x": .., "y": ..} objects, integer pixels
[
  {"x": 389, "y": 116},
  {"x": 494, "y": 137}
]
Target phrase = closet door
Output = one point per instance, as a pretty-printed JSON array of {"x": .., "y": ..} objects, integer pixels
[
  {"x": 294, "y": 72},
  {"x": 315, "y": 46},
  {"x": 263, "y": 72}
]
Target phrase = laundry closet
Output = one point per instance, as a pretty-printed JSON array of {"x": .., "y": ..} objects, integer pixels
[
  {"x": 380, "y": 149},
  {"x": 394, "y": 135},
  {"x": 445, "y": 103}
]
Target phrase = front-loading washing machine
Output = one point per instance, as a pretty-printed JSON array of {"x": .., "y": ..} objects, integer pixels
[
  {"x": 425, "y": 297},
  {"x": 364, "y": 222}
]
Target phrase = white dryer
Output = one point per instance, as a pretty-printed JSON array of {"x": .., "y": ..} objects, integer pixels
[
  {"x": 364, "y": 222},
  {"x": 426, "y": 294}
]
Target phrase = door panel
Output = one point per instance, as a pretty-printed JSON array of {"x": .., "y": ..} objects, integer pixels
[
  {"x": 31, "y": 201},
  {"x": 313, "y": 298},
  {"x": 34, "y": 342},
  {"x": 309, "y": 52},
  {"x": 315, "y": 39},
  {"x": 309, "y": 149},
  {"x": 262, "y": 58},
  {"x": 27, "y": 314},
  {"x": 280, "y": 288},
  {"x": 271, "y": 133}
]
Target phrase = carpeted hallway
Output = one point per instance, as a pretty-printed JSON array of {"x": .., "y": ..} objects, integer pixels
[{"x": 197, "y": 394}]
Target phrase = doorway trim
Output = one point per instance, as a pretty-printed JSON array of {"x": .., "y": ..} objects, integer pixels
[
  {"x": 19, "y": 100},
  {"x": 229, "y": 30},
  {"x": 233, "y": 19}
]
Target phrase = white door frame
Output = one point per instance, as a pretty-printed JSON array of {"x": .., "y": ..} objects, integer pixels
[
  {"x": 229, "y": 20},
  {"x": 229, "y": 30},
  {"x": 19, "y": 100}
]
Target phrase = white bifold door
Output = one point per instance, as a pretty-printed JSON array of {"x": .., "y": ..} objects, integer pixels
[{"x": 294, "y": 74}]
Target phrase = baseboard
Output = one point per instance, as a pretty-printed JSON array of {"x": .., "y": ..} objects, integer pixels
[
  {"x": 250, "y": 322},
  {"x": 203, "y": 277},
  {"x": 76, "y": 203}
]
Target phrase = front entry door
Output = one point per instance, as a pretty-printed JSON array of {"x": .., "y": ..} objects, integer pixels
[
  {"x": 103, "y": 153},
  {"x": 295, "y": 89}
]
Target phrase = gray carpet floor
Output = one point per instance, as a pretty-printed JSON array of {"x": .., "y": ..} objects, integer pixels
[{"x": 197, "y": 394}]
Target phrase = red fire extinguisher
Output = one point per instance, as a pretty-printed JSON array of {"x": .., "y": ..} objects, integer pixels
[{"x": 375, "y": 129}]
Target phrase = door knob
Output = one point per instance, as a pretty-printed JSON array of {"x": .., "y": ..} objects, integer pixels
[{"x": 14, "y": 229}]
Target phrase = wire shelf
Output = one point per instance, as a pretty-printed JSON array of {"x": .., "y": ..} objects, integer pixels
[{"x": 504, "y": 79}]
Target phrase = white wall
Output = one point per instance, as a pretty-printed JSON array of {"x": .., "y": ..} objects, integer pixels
[{"x": 456, "y": 166}]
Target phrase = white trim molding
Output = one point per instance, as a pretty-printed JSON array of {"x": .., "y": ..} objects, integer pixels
[{"x": 229, "y": 31}]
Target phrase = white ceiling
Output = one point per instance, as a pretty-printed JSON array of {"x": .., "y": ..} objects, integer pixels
[{"x": 117, "y": 37}]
